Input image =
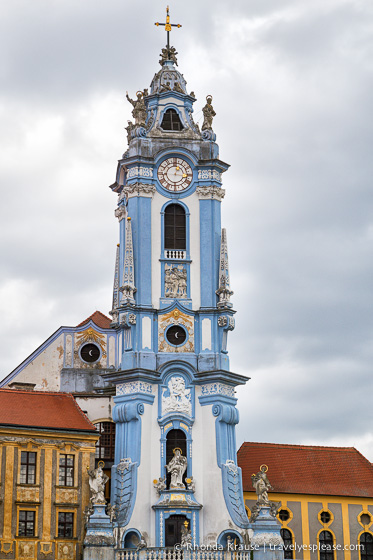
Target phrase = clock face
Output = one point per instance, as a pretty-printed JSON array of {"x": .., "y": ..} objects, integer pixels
[{"x": 175, "y": 174}]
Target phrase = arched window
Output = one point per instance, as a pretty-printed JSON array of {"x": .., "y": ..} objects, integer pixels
[
  {"x": 174, "y": 227},
  {"x": 288, "y": 541},
  {"x": 326, "y": 545},
  {"x": 175, "y": 439},
  {"x": 171, "y": 120},
  {"x": 366, "y": 542},
  {"x": 106, "y": 444}
]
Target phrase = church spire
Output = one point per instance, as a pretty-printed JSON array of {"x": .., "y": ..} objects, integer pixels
[
  {"x": 114, "y": 310},
  {"x": 223, "y": 292},
  {"x": 128, "y": 283}
]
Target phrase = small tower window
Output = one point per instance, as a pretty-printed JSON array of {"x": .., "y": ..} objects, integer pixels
[
  {"x": 171, "y": 120},
  {"x": 174, "y": 227}
]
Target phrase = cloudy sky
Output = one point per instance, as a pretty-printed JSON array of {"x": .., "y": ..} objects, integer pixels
[{"x": 292, "y": 86}]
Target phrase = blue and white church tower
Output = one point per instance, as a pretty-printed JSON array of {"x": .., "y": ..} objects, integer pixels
[{"x": 175, "y": 470}]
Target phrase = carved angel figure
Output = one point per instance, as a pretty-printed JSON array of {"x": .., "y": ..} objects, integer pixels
[
  {"x": 177, "y": 467},
  {"x": 139, "y": 108},
  {"x": 262, "y": 485},
  {"x": 208, "y": 114},
  {"x": 97, "y": 481},
  {"x": 168, "y": 54},
  {"x": 160, "y": 484}
]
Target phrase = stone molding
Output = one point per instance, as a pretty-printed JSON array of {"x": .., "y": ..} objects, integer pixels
[{"x": 212, "y": 192}]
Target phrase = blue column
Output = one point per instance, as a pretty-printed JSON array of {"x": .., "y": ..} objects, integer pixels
[
  {"x": 210, "y": 232},
  {"x": 139, "y": 210}
]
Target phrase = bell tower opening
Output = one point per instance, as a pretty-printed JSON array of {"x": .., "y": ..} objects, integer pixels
[
  {"x": 175, "y": 227},
  {"x": 171, "y": 121}
]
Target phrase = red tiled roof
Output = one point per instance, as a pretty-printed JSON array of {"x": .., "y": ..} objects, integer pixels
[
  {"x": 42, "y": 409},
  {"x": 99, "y": 319},
  {"x": 308, "y": 469}
]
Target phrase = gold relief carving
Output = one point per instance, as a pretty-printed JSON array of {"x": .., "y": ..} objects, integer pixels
[
  {"x": 66, "y": 496},
  {"x": 175, "y": 317},
  {"x": 69, "y": 446},
  {"x": 30, "y": 443},
  {"x": 90, "y": 335},
  {"x": 28, "y": 494},
  {"x": 26, "y": 549},
  {"x": 46, "y": 548},
  {"x": 6, "y": 547},
  {"x": 65, "y": 551}
]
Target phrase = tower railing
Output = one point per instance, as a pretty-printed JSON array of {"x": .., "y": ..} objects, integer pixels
[
  {"x": 180, "y": 554},
  {"x": 177, "y": 254}
]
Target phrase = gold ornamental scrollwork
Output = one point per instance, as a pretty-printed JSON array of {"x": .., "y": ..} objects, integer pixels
[
  {"x": 46, "y": 548},
  {"x": 6, "y": 547}
]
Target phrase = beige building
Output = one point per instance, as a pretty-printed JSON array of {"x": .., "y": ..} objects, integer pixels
[{"x": 46, "y": 445}]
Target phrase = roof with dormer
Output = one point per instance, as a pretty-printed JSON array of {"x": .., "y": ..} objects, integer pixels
[
  {"x": 42, "y": 409},
  {"x": 308, "y": 469}
]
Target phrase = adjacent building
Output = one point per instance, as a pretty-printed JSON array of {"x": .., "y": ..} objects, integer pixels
[
  {"x": 46, "y": 445},
  {"x": 326, "y": 496}
]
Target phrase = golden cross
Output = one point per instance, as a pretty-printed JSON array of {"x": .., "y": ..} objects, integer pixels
[{"x": 168, "y": 26}]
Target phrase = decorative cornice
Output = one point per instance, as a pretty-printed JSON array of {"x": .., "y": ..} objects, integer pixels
[
  {"x": 139, "y": 189},
  {"x": 215, "y": 193}
]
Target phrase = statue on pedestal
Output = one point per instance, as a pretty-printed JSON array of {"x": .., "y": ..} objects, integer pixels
[
  {"x": 97, "y": 481},
  {"x": 177, "y": 467},
  {"x": 262, "y": 485},
  {"x": 208, "y": 114}
]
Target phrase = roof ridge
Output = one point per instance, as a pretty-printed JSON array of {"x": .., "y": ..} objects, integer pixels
[
  {"x": 298, "y": 445},
  {"x": 90, "y": 318}
]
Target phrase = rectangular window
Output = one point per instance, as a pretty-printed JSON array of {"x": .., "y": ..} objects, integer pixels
[
  {"x": 65, "y": 524},
  {"x": 66, "y": 475},
  {"x": 26, "y": 524},
  {"x": 28, "y": 467}
]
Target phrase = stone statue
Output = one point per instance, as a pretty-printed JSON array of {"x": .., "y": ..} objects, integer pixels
[
  {"x": 165, "y": 87},
  {"x": 112, "y": 512},
  {"x": 179, "y": 398},
  {"x": 139, "y": 108},
  {"x": 177, "y": 467},
  {"x": 208, "y": 114},
  {"x": 160, "y": 484},
  {"x": 186, "y": 535},
  {"x": 129, "y": 130},
  {"x": 168, "y": 54},
  {"x": 97, "y": 481},
  {"x": 262, "y": 485},
  {"x": 177, "y": 87},
  {"x": 175, "y": 281},
  {"x": 87, "y": 513},
  {"x": 142, "y": 544}
]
